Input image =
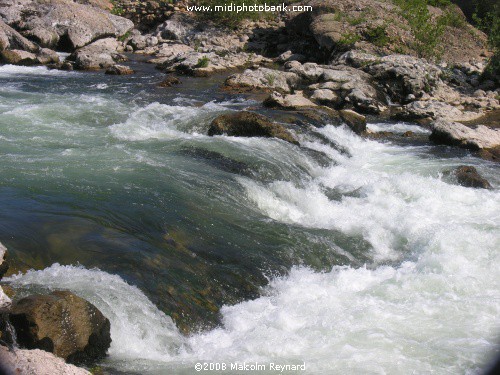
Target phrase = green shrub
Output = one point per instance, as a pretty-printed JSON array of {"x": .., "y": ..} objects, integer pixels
[
  {"x": 488, "y": 20},
  {"x": 426, "y": 31},
  {"x": 348, "y": 40},
  {"x": 454, "y": 19},
  {"x": 202, "y": 62},
  {"x": 377, "y": 35},
  {"x": 271, "y": 78},
  {"x": 125, "y": 36},
  {"x": 439, "y": 3},
  {"x": 117, "y": 9}
]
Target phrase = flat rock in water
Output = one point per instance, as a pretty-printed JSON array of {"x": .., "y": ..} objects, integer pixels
[
  {"x": 119, "y": 70},
  {"x": 61, "y": 323},
  {"x": 456, "y": 134}
]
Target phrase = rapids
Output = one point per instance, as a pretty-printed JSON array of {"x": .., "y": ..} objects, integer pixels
[{"x": 351, "y": 255}]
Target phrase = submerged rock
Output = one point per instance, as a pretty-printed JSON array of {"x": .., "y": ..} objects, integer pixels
[
  {"x": 249, "y": 124},
  {"x": 169, "y": 81},
  {"x": 469, "y": 177},
  {"x": 61, "y": 323}
]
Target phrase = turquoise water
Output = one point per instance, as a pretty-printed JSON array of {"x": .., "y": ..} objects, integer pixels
[{"x": 348, "y": 254}]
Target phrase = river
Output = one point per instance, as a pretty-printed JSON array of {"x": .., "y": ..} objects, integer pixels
[{"x": 347, "y": 254}]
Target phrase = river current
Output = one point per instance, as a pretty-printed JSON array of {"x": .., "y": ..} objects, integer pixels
[{"x": 347, "y": 254}]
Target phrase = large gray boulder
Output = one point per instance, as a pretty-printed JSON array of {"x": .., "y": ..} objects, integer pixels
[
  {"x": 11, "y": 39},
  {"x": 180, "y": 27},
  {"x": 61, "y": 323},
  {"x": 101, "y": 54},
  {"x": 203, "y": 64},
  {"x": 456, "y": 134},
  {"x": 264, "y": 79},
  {"x": 352, "y": 87},
  {"x": 405, "y": 77},
  {"x": 377, "y": 27},
  {"x": 288, "y": 101},
  {"x": 64, "y": 24}
]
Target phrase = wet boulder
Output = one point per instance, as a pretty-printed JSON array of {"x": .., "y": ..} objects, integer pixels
[
  {"x": 61, "y": 323},
  {"x": 47, "y": 56},
  {"x": 469, "y": 177},
  {"x": 354, "y": 120},
  {"x": 249, "y": 124},
  {"x": 18, "y": 57}
]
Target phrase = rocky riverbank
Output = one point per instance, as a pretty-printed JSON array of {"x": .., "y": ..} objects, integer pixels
[{"x": 300, "y": 59}]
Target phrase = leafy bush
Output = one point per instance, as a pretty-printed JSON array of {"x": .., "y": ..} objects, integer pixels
[
  {"x": 202, "y": 62},
  {"x": 377, "y": 35},
  {"x": 489, "y": 22},
  {"x": 348, "y": 40},
  {"x": 426, "y": 31},
  {"x": 454, "y": 19},
  {"x": 117, "y": 9},
  {"x": 439, "y": 3}
]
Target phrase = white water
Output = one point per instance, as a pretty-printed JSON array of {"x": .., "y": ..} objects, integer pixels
[
  {"x": 429, "y": 304},
  {"x": 19, "y": 71},
  {"x": 398, "y": 128}
]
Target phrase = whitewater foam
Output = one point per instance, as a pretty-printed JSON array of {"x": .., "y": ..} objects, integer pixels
[
  {"x": 398, "y": 128},
  {"x": 20, "y": 71},
  {"x": 162, "y": 121}
]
